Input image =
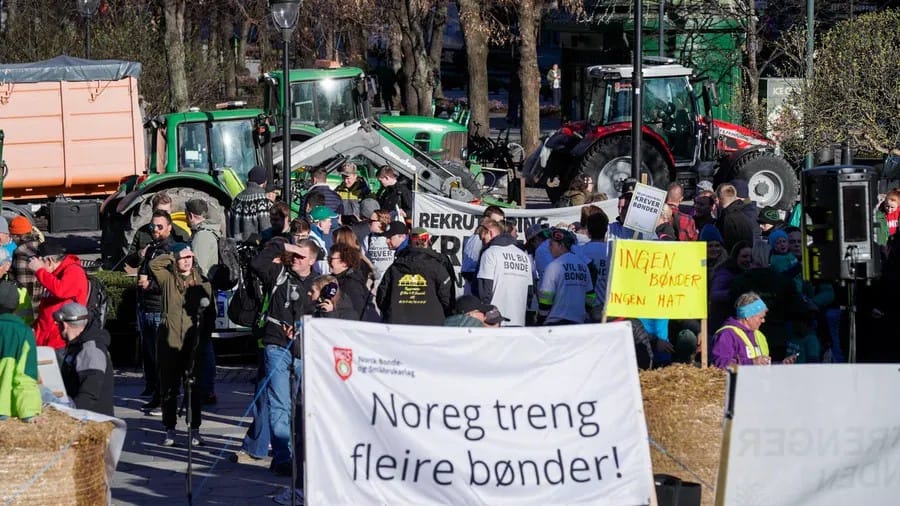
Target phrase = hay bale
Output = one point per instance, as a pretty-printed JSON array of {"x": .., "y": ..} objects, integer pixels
[
  {"x": 684, "y": 407},
  {"x": 77, "y": 473}
]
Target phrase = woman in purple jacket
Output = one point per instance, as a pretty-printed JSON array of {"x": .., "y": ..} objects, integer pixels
[{"x": 739, "y": 341}]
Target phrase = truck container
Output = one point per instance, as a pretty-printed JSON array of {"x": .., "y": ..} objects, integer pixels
[{"x": 74, "y": 129}]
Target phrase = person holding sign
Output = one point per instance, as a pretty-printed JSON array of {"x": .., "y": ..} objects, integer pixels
[
  {"x": 739, "y": 341},
  {"x": 566, "y": 294}
]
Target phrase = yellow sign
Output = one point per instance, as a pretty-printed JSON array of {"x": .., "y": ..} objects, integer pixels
[{"x": 657, "y": 279}]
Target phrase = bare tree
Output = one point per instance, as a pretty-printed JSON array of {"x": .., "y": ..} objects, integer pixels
[
  {"x": 175, "y": 55},
  {"x": 529, "y": 14},
  {"x": 474, "y": 20}
]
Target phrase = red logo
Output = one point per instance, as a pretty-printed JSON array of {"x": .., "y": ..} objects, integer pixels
[{"x": 343, "y": 362}]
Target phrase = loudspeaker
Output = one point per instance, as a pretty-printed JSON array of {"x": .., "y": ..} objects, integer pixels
[{"x": 839, "y": 226}]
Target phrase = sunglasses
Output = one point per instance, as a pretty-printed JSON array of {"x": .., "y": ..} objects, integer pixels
[{"x": 157, "y": 226}]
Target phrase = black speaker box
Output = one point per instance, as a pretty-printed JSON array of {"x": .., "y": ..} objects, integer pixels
[{"x": 839, "y": 226}]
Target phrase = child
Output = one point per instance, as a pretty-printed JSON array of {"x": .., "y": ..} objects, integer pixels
[{"x": 781, "y": 260}]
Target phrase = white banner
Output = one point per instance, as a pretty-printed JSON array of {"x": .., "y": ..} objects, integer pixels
[
  {"x": 450, "y": 221},
  {"x": 814, "y": 434},
  {"x": 441, "y": 415}
]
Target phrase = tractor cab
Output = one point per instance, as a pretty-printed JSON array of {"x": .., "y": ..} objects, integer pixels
[{"x": 669, "y": 104}]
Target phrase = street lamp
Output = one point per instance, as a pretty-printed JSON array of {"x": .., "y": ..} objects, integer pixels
[
  {"x": 87, "y": 8},
  {"x": 284, "y": 15}
]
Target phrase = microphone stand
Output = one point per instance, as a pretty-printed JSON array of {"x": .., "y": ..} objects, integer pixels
[{"x": 188, "y": 387}]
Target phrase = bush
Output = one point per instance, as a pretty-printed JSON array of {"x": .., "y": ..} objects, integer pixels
[{"x": 122, "y": 290}]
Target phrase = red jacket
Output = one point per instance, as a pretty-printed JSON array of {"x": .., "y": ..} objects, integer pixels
[{"x": 68, "y": 283}]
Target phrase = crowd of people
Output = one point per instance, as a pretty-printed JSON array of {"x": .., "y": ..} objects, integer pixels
[
  {"x": 44, "y": 294},
  {"x": 351, "y": 255}
]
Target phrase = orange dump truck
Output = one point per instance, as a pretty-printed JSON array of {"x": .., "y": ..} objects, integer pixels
[{"x": 73, "y": 129}]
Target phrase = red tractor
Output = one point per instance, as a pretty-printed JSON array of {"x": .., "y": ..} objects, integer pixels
[{"x": 681, "y": 141}]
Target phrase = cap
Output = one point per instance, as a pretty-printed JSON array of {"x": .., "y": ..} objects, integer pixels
[
  {"x": 769, "y": 216},
  {"x": 4, "y": 226},
  {"x": 367, "y": 207},
  {"x": 50, "y": 249},
  {"x": 534, "y": 230},
  {"x": 562, "y": 235},
  {"x": 419, "y": 231},
  {"x": 19, "y": 226},
  {"x": 705, "y": 185},
  {"x": 468, "y": 303},
  {"x": 9, "y": 296},
  {"x": 348, "y": 168},
  {"x": 257, "y": 175},
  {"x": 740, "y": 186},
  {"x": 493, "y": 317},
  {"x": 321, "y": 213},
  {"x": 71, "y": 312},
  {"x": 198, "y": 207},
  {"x": 396, "y": 228}
]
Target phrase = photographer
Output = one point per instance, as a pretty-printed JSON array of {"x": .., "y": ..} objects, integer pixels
[{"x": 286, "y": 273}]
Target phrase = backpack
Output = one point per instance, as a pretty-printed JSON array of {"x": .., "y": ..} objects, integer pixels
[
  {"x": 98, "y": 299},
  {"x": 246, "y": 303},
  {"x": 227, "y": 271}
]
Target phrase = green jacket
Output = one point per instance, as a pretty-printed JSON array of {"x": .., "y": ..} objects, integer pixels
[
  {"x": 19, "y": 393},
  {"x": 179, "y": 309}
]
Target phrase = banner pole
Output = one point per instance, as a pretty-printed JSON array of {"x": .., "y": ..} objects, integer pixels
[{"x": 704, "y": 362}]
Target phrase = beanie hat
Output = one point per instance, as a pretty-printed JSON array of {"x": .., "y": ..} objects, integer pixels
[
  {"x": 775, "y": 235},
  {"x": 257, "y": 175},
  {"x": 19, "y": 226},
  {"x": 178, "y": 247},
  {"x": 710, "y": 233},
  {"x": 197, "y": 207},
  {"x": 367, "y": 207}
]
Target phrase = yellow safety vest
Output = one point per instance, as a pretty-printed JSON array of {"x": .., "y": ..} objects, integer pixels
[{"x": 760, "y": 350}]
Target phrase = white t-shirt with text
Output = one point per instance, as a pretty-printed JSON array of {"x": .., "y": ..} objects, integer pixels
[{"x": 510, "y": 269}]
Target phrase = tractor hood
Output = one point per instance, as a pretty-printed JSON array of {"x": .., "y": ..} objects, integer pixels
[{"x": 733, "y": 137}]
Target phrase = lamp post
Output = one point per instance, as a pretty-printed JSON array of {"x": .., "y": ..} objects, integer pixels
[
  {"x": 284, "y": 15},
  {"x": 87, "y": 8}
]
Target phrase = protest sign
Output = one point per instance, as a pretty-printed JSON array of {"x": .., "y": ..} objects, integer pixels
[
  {"x": 450, "y": 222},
  {"x": 823, "y": 434},
  {"x": 401, "y": 414},
  {"x": 657, "y": 279},
  {"x": 643, "y": 211},
  {"x": 49, "y": 374}
]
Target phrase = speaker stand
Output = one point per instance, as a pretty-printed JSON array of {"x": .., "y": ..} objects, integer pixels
[{"x": 851, "y": 309}]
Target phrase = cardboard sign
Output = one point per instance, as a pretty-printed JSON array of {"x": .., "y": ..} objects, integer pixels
[
  {"x": 400, "y": 414},
  {"x": 823, "y": 434},
  {"x": 49, "y": 374},
  {"x": 657, "y": 279},
  {"x": 643, "y": 211}
]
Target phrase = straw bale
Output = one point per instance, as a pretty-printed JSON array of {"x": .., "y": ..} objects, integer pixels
[
  {"x": 684, "y": 406},
  {"x": 76, "y": 475}
]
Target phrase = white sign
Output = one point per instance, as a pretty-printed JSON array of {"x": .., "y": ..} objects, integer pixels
[
  {"x": 400, "y": 414},
  {"x": 814, "y": 434},
  {"x": 646, "y": 205},
  {"x": 49, "y": 372},
  {"x": 450, "y": 221}
]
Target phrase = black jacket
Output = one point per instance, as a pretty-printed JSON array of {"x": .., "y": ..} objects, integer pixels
[
  {"x": 416, "y": 289},
  {"x": 282, "y": 306},
  {"x": 736, "y": 225},
  {"x": 396, "y": 195},
  {"x": 151, "y": 298},
  {"x": 353, "y": 291},
  {"x": 87, "y": 370}
]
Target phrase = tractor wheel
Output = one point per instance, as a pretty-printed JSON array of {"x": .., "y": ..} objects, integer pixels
[
  {"x": 608, "y": 162},
  {"x": 771, "y": 180},
  {"x": 140, "y": 214}
]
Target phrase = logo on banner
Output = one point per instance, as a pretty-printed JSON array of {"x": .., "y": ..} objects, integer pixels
[{"x": 343, "y": 362}]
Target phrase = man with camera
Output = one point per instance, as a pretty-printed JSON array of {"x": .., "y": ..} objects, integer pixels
[{"x": 286, "y": 272}]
